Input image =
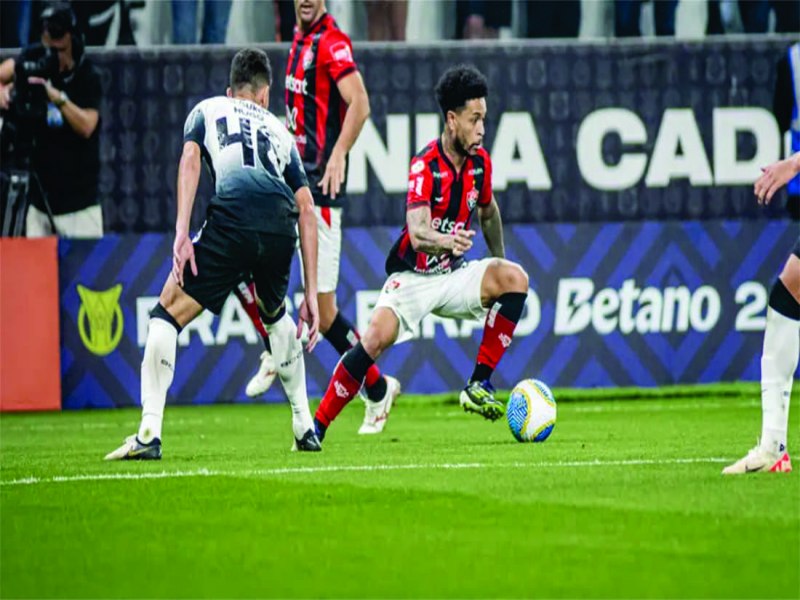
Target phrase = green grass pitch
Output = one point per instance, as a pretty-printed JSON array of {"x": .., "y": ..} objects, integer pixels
[{"x": 624, "y": 500}]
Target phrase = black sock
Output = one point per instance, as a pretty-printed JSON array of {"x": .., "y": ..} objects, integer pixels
[
  {"x": 357, "y": 362},
  {"x": 511, "y": 305},
  {"x": 377, "y": 391},
  {"x": 782, "y": 301},
  {"x": 267, "y": 320},
  {"x": 481, "y": 373},
  {"x": 159, "y": 312},
  {"x": 341, "y": 334}
]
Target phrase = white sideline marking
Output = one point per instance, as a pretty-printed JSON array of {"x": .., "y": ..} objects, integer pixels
[
  {"x": 355, "y": 468},
  {"x": 72, "y": 426}
]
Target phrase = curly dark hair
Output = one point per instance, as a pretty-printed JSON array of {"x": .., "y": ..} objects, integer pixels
[
  {"x": 459, "y": 85},
  {"x": 251, "y": 67}
]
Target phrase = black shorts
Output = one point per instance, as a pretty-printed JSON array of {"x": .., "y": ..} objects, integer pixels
[
  {"x": 796, "y": 250},
  {"x": 226, "y": 256}
]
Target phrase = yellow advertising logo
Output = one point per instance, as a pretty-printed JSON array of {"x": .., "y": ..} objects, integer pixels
[{"x": 101, "y": 313}]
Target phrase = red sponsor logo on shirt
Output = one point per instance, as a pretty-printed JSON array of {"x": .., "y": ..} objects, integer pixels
[{"x": 341, "y": 52}]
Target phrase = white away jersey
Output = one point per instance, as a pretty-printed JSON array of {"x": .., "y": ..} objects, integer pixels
[{"x": 253, "y": 160}]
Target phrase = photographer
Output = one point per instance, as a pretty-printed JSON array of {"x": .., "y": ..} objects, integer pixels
[{"x": 62, "y": 133}]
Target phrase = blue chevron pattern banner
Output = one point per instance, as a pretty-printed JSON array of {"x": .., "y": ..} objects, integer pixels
[{"x": 619, "y": 304}]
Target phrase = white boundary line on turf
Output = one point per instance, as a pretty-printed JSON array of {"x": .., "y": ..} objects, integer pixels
[
  {"x": 355, "y": 468},
  {"x": 72, "y": 426}
]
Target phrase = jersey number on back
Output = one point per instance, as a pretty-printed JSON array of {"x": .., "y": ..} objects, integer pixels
[{"x": 251, "y": 147}]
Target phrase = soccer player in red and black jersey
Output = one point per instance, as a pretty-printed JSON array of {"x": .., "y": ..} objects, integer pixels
[
  {"x": 428, "y": 273},
  {"x": 326, "y": 107}
]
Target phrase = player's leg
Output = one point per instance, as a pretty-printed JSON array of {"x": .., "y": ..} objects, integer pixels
[
  {"x": 500, "y": 286},
  {"x": 271, "y": 279},
  {"x": 219, "y": 252},
  {"x": 350, "y": 372},
  {"x": 175, "y": 309},
  {"x": 405, "y": 299},
  {"x": 504, "y": 289},
  {"x": 262, "y": 380},
  {"x": 380, "y": 391},
  {"x": 779, "y": 359},
  {"x": 332, "y": 324}
]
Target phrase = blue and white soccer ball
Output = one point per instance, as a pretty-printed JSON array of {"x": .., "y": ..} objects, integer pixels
[{"x": 531, "y": 411}]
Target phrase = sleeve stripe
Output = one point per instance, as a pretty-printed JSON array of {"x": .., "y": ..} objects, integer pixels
[
  {"x": 418, "y": 203},
  {"x": 347, "y": 71}
]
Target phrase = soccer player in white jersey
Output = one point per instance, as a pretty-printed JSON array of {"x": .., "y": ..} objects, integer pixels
[
  {"x": 262, "y": 195},
  {"x": 781, "y": 344}
]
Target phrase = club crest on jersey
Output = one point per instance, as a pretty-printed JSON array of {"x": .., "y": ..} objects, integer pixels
[
  {"x": 100, "y": 320},
  {"x": 417, "y": 166},
  {"x": 308, "y": 59},
  {"x": 472, "y": 198}
]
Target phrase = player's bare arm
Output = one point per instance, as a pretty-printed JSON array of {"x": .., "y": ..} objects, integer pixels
[
  {"x": 307, "y": 226},
  {"x": 351, "y": 87},
  {"x": 492, "y": 227},
  {"x": 775, "y": 176},
  {"x": 188, "y": 178},
  {"x": 424, "y": 238}
]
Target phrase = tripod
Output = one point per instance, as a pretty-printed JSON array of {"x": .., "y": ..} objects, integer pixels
[{"x": 16, "y": 185}]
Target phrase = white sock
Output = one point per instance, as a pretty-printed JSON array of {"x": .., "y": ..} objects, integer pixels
[
  {"x": 778, "y": 364},
  {"x": 291, "y": 367},
  {"x": 158, "y": 367}
]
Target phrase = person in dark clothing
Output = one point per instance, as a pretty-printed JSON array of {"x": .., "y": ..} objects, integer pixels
[{"x": 65, "y": 155}]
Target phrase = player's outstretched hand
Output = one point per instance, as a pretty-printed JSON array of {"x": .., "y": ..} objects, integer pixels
[
  {"x": 182, "y": 251},
  {"x": 462, "y": 241},
  {"x": 774, "y": 177},
  {"x": 333, "y": 178},
  {"x": 309, "y": 314}
]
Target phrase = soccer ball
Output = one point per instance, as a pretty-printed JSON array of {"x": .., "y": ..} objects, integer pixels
[{"x": 531, "y": 411}]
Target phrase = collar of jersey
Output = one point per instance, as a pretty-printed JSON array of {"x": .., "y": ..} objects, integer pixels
[
  {"x": 447, "y": 161},
  {"x": 314, "y": 26}
]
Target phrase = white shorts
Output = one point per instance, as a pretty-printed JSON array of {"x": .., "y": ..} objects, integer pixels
[
  {"x": 329, "y": 248},
  {"x": 412, "y": 296},
  {"x": 86, "y": 223}
]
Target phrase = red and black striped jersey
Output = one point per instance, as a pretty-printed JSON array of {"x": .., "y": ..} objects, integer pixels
[
  {"x": 451, "y": 196},
  {"x": 315, "y": 110}
]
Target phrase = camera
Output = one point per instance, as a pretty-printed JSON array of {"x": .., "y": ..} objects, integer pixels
[
  {"x": 29, "y": 105},
  {"x": 30, "y": 101}
]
